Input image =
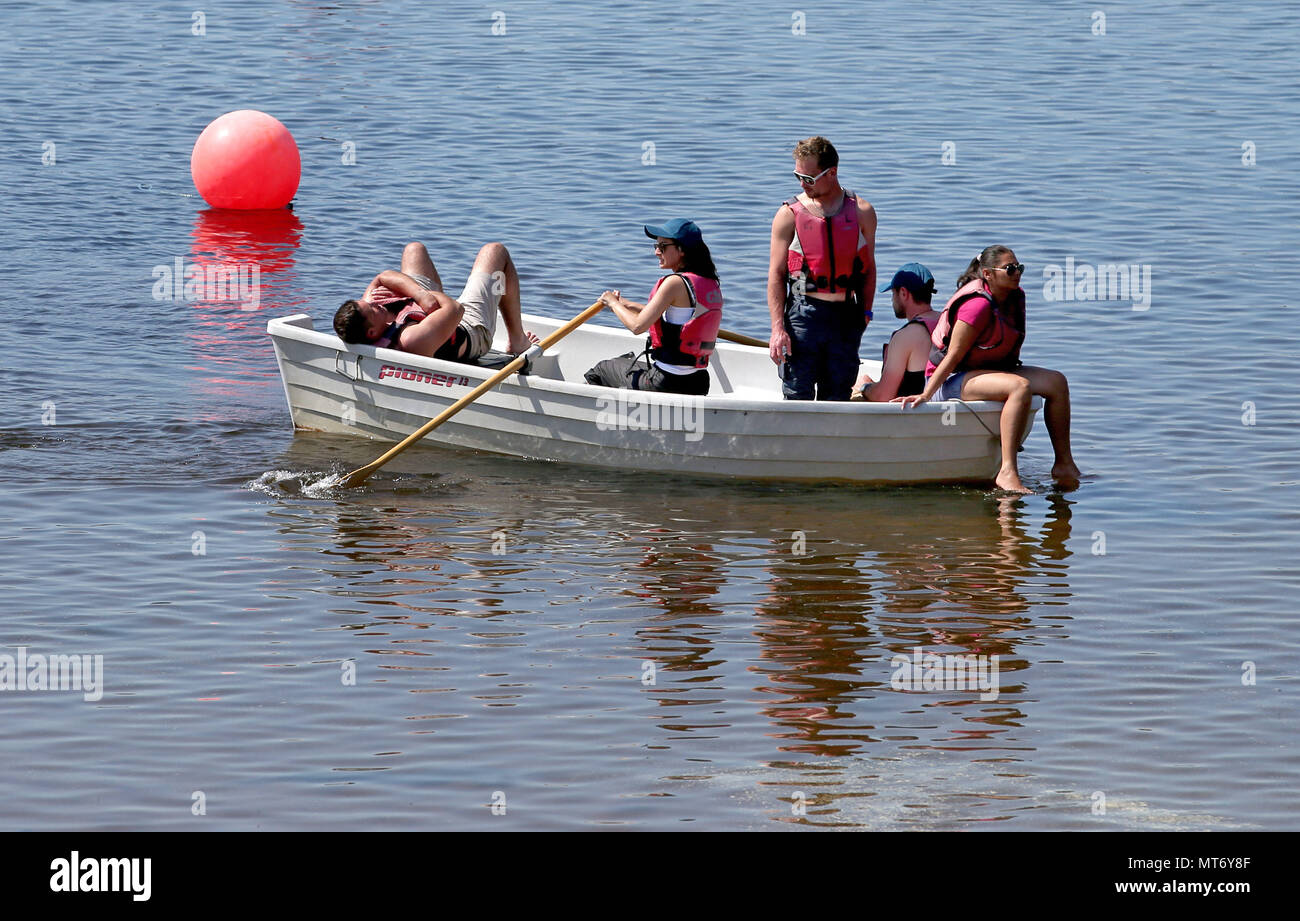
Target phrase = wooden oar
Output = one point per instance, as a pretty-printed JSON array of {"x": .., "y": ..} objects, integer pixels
[
  {"x": 742, "y": 339},
  {"x": 360, "y": 475}
]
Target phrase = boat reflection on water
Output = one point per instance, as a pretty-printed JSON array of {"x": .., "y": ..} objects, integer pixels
[
  {"x": 959, "y": 575},
  {"x": 679, "y": 579},
  {"x": 799, "y": 597}
]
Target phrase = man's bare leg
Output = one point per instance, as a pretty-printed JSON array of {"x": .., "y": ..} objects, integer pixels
[
  {"x": 416, "y": 261},
  {"x": 494, "y": 259}
]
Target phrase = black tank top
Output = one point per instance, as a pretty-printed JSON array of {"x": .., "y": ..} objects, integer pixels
[{"x": 913, "y": 382}]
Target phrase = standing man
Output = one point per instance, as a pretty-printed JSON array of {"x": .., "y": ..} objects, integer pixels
[
  {"x": 821, "y": 278},
  {"x": 905, "y": 355}
]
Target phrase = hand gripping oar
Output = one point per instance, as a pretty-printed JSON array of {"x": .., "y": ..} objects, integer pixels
[
  {"x": 360, "y": 475},
  {"x": 742, "y": 339}
]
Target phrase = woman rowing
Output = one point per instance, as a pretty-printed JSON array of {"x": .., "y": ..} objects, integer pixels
[
  {"x": 683, "y": 316},
  {"x": 976, "y": 356}
]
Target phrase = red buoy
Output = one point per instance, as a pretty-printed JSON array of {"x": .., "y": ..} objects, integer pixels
[{"x": 247, "y": 160}]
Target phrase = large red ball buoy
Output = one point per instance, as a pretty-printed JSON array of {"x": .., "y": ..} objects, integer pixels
[{"x": 246, "y": 159}]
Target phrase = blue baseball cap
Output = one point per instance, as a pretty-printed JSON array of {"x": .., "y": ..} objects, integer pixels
[
  {"x": 914, "y": 277},
  {"x": 679, "y": 230}
]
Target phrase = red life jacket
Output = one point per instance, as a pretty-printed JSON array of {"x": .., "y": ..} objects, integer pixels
[
  {"x": 998, "y": 345},
  {"x": 830, "y": 253},
  {"x": 690, "y": 343},
  {"x": 411, "y": 313}
]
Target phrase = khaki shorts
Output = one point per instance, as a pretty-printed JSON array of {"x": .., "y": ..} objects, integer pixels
[
  {"x": 480, "y": 319},
  {"x": 480, "y": 303}
]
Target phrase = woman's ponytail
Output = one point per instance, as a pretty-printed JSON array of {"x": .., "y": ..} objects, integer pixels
[
  {"x": 988, "y": 259},
  {"x": 972, "y": 272}
]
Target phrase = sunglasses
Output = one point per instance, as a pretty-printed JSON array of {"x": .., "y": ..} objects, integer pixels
[
  {"x": 660, "y": 247},
  {"x": 809, "y": 180},
  {"x": 1014, "y": 268}
]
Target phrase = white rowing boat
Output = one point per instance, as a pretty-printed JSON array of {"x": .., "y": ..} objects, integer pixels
[{"x": 743, "y": 428}]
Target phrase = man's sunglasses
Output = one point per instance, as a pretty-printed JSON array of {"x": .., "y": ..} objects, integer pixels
[{"x": 809, "y": 180}]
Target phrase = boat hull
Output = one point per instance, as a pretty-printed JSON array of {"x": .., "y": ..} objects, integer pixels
[{"x": 743, "y": 429}]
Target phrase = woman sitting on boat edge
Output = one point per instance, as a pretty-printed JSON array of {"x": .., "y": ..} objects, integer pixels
[
  {"x": 683, "y": 316},
  {"x": 976, "y": 356}
]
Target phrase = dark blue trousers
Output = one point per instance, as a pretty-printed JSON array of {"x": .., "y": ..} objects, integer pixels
[{"x": 824, "y": 341}]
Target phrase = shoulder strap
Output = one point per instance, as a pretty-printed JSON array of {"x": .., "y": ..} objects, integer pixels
[
  {"x": 951, "y": 314},
  {"x": 690, "y": 290},
  {"x": 952, "y": 308},
  {"x": 884, "y": 346}
]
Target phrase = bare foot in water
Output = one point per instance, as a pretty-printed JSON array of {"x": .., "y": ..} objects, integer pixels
[
  {"x": 530, "y": 340},
  {"x": 1009, "y": 481},
  {"x": 1066, "y": 474}
]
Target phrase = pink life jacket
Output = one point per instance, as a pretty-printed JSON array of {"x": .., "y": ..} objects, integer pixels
[
  {"x": 411, "y": 313},
  {"x": 998, "y": 345},
  {"x": 831, "y": 254},
  {"x": 690, "y": 343}
]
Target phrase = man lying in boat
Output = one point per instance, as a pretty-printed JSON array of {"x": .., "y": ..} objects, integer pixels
[
  {"x": 407, "y": 309},
  {"x": 905, "y": 354}
]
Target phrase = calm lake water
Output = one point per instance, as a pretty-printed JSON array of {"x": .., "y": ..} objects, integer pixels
[{"x": 589, "y": 648}]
